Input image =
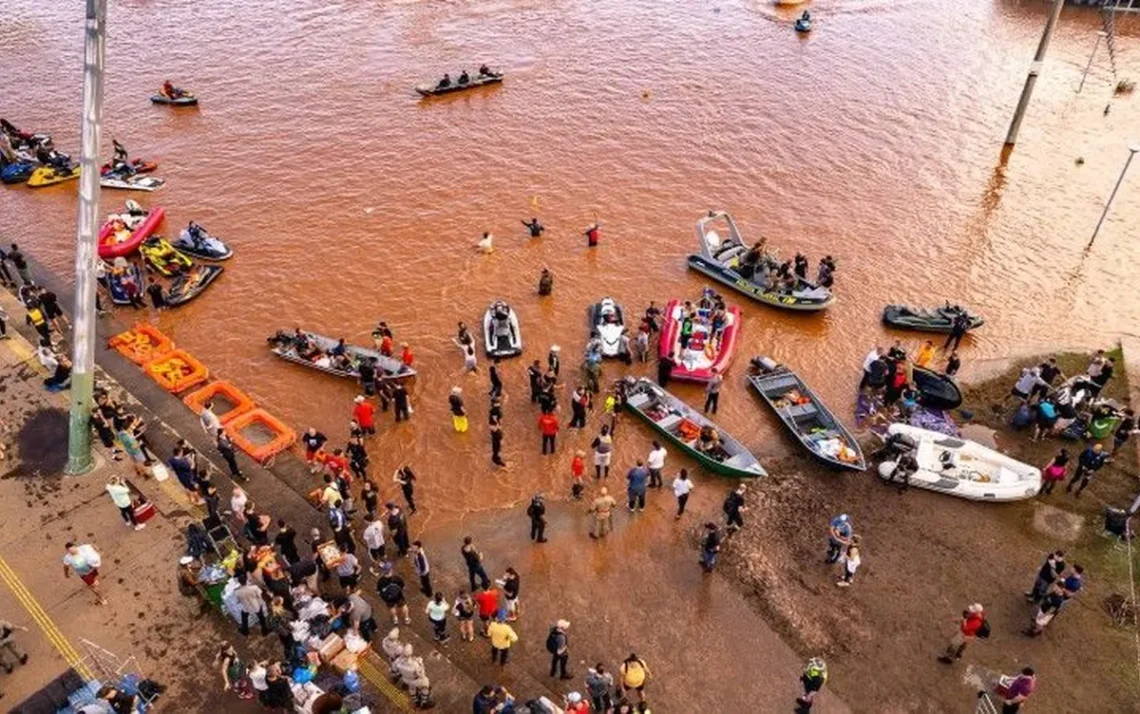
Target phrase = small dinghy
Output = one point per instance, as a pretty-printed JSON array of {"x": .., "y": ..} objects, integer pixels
[
  {"x": 122, "y": 233},
  {"x": 962, "y": 468},
  {"x": 936, "y": 391},
  {"x": 194, "y": 241},
  {"x": 706, "y": 349},
  {"x": 501, "y": 331},
  {"x": 454, "y": 85},
  {"x": 720, "y": 259},
  {"x": 314, "y": 351},
  {"x": 939, "y": 319},
  {"x": 182, "y": 99},
  {"x": 690, "y": 430},
  {"x": 805, "y": 416},
  {"x": 607, "y": 325}
]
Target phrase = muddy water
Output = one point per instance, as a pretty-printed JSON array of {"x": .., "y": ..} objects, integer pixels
[{"x": 876, "y": 139}]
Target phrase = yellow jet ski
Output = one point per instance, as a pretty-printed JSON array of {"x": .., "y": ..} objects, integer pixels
[
  {"x": 47, "y": 176},
  {"x": 162, "y": 256}
]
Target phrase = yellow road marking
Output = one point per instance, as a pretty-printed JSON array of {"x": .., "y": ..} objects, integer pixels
[
  {"x": 45, "y": 623},
  {"x": 380, "y": 680}
]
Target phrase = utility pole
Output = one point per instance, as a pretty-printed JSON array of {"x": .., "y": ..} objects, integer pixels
[
  {"x": 1034, "y": 70},
  {"x": 1108, "y": 204},
  {"x": 1100, "y": 35},
  {"x": 79, "y": 458}
]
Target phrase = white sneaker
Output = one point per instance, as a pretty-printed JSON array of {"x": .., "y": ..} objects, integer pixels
[{"x": 140, "y": 526}]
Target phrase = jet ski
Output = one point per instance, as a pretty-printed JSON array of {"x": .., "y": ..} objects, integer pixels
[
  {"x": 196, "y": 242},
  {"x": 607, "y": 323},
  {"x": 501, "y": 331},
  {"x": 134, "y": 166},
  {"x": 162, "y": 256}
]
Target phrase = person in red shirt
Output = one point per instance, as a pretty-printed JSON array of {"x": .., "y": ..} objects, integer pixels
[
  {"x": 386, "y": 345},
  {"x": 548, "y": 425},
  {"x": 488, "y": 601},
  {"x": 972, "y": 620},
  {"x": 592, "y": 235},
  {"x": 577, "y": 468},
  {"x": 363, "y": 414},
  {"x": 406, "y": 356}
]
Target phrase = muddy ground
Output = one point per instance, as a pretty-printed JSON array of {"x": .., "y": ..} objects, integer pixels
[{"x": 925, "y": 557}]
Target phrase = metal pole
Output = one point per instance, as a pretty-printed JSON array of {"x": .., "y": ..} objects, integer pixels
[
  {"x": 1034, "y": 70},
  {"x": 79, "y": 458},
  {"x": 1108, "y": 204},
  {"x": 1100, "y": 35}
]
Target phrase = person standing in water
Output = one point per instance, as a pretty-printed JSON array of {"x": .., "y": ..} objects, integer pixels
[
  {"x": 592, "y": 235},
  {"x": 407, "y": 480},
  {"x": 400, "y": 401},
  {"x": 536, "y": 229},
  {"x": 458, "y": 411},
  {"x": 553, "y": 362},
  {"x": 496, "y": 379},
  {"x": 497, "y": 443}
]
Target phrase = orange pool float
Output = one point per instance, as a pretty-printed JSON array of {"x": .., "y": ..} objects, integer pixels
[
  {"x": 176, "y": 371},
  {"x": 141, "y": 343},
  {"x": 283, "y": 437},
  {"x": 196, "y": 400}
]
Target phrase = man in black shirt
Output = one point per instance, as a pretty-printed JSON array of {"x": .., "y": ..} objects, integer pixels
[
  {"x": 534, "y": 374},
  {"x": 1049, "y": 371},
  {"x": 286, "y": 542},
  {"x": 734, "y": 509},
  {"x": 390, "y": 588}
]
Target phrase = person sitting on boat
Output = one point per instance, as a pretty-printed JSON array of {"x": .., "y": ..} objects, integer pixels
[
  {"x": 719, "y": 321},
  {"x": 824, "y": 278},
  {"x": 445, "y": 82},
  {"x": 50, "y": 157},
  {"x": 339, "y": 349},
  {"x": 708, "y": 440},
  {"x": 340, "y": 362},
  {"x": 485, "y": 71},
  {"x": 686, "y": 332},
  {"x": 806, "y": 17},
  {"x": 463, "y": 78},
  {"x": 801, "y": 265},
  {"x": 705, "y": 303},
  {"x": 170, "y": 91},
  {"x": 789, "y": 282}
]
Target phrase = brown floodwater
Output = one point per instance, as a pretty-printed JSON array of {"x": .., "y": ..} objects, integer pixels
[{"x": 348, "y": 200}]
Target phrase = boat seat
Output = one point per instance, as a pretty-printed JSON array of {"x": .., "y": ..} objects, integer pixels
[
  {"x": 637, "y": 400},
  {"x": 669, "y": 422},
  {"x": 781, "y": 383},
  {"x": 801, "y": 410}
]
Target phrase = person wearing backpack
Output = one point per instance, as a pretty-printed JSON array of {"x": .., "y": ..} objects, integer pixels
[
  {"x": 972, "y": 625},
  {"x": 390, "y": 588},
  {"x": 558, "y": 645}
]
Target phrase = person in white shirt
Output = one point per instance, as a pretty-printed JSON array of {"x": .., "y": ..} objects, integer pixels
[
  {"x": 682, "y": 486},
  {"x": 121, "y": 496},
  {"x": 655, "y": 462},
  {"x": 850, "y": 562},
  {"x": 872, "y": 357},
  {"x": 237, "y": 505},
  {"x": 211, "y": 424},
  {"x": 374, "y": 539}
]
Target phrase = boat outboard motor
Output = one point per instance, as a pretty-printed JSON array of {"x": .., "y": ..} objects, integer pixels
[
  {"x": 762, "y": 365},
  {"x": 896, "y": 445}
]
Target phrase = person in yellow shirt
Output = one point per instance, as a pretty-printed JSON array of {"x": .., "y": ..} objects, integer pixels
[
  {"x": 925, "y": 356},
  {"x": 502, "y": 637},
  {"x": 634, "y": 675}
]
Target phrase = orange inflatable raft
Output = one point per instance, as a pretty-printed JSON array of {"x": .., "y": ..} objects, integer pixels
[
  {"x": 260, "y": 450},
  {"x": 141, "y": 344},
  {"x": 176, "y": 371},
  {"x": 220, "y": 391}
]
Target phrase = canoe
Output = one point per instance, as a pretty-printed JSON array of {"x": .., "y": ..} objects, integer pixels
[
  {"x": 284, "y": 346},
  {"x": 131, "y": 183},
  {"x": 976, "y": 472},
  {"x": 434, "y": 90},
  {"x": 186, "y": 100},
  {"x": 805, "y": 415},
  {"x": 681, "y": 425},
  {"x": 114, "y": 281},
  {"x": 607, "y": 324},
  {"x": 162, "y": 256},
  {"x": 191, "y": 284},
  {"x": 936, "y": 391},
  {"x": 48, "y": 176},
  {"x": 939, "y": 319},
  {"x": 501, "y": 333},
  {"x": 136, "y": 228},
  {"x": 704, "y": 352},
  {"x": 720, "y": 258},
  {"x": 207, "y": 247}
]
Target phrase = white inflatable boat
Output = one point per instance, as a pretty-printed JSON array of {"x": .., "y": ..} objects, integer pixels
[
  {"x": 965, "y": 468},
  {"x": 501, "y": 331},
  {"x": 608, "y": 323}
]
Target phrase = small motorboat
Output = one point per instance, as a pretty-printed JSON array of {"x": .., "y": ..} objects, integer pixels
[
  {"x": 805, "y": 415},
  {"x": 312, "y": 350},
  {"x": 196, "y": 242},
  {"x": 683, "y": 426},
  {"x": 131, "y": 182},
  {"x": 191, "y": 283},
  {"x": 962, "y": 468},
  {"x": 803, "y": 24},
  {"x": 51, "y": 175},
  {"x": 939, "y": 319},
  {"x": 136, "y": 166},
  {"x": 162, "y": 256},
  {"x": 501, "y": 331},
  {"x": 607, "y": 325},
  {"x": 183, "y": 99},
  {"x": 936, "y": 391},
  {"x": 435, "y": 90},
  {"x": 720, "y": 259},
  {"x": 117, "y": 277},
  {"x": 123, "y": 233},
  {"x": 705, "y": 350}
]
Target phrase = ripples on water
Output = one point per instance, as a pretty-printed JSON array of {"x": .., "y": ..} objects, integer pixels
[{"x": 875, "y": 139}]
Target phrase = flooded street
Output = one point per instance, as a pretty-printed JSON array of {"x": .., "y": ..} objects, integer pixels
[{"x": 347, "y": 200}]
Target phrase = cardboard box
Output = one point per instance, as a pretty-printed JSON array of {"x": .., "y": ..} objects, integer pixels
[
  {"x": 344, "y": 660},
  {"x": 330, "y": 647}
]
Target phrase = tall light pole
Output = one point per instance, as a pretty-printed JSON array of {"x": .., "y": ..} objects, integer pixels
[
  {"x": 1108, "y": 204},
  {"x": 79, "y": 458},
  {"x": 1034, "y": 70},
  {"x": 1100, "y": 35}
]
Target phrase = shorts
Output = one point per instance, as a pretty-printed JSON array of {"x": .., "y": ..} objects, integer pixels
[
  {"x": 602, "y": 459},
  {"x": 90, "y": 577},
  {"x": 347, "y": 580},
  {"x": 459, "y": 422},
  {"x": 1020, "y": 395},
  {"x": 399, "y": 603}
]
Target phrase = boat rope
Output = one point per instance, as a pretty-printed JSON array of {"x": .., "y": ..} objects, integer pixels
[
  {"x": 1108, "y": 18},
  {"x": 1132, "y": 589}
]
